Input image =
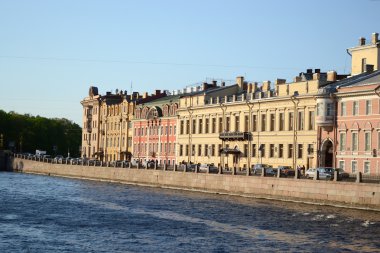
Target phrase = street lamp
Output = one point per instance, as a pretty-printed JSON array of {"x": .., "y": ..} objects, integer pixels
[
  {"x": 190, "y": 111},
  {"x": 295, "y": 101},
  {"x": 224, "y": 108}
]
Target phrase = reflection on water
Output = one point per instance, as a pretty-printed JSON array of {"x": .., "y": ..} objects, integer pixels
[{"x": 46, "y": 214}]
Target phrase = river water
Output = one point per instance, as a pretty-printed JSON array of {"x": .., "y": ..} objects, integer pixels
[{"x": 50, "y": 214}]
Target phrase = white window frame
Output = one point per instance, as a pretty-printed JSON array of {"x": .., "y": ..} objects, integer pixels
[
  {"x": 367, "y": 170},
  {"x": 352, "y": 141},
  {"x": 369, "y": 144},
  {"x": 342, "y": 146},
  {"x": 343, "y": 163},
  {"x": 368, "y": 107},
  {"x": 355, "y": 108},
  {"x": 356, "y": 166}
]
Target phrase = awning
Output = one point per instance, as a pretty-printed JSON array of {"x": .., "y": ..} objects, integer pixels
[{"x": 230, "y": 151}]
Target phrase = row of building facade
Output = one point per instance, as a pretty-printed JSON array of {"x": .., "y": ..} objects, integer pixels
[{"x": 318, "y": 119}]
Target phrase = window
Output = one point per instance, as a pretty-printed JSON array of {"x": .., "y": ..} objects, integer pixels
[
  {"x": 213, "y": 125},
  {"x": 192, "y": 149},
  {"x": 354, "y": 166},
  {"x": 245, "y": 154},
  {"x": 213, "y": 150},
  {"x": 311, "y": 120},
  {"x": 281, "y": 122},
  {"x": 272, "y": 122},
  {"x": 228, "y": 122},
  {"x": 187, "y": 150},
  {"x": 319, "y": 109},
  {"x": 271, "y": 150},
  {"x": 355, "y": 108},
  {"x": 341, "y": 165},
  {"x": 207, "y": 125},
  {"x": 254, "y": 123},
  {"x": 343, "y": 109},
  {"x": 342, "y": 141},
  {"x": 300, "y": 151},
  {"x": 368, "y": 107},
  {"x": 262, "y": 150},
  {"x": 220, "y": 125},
  {"x": 329, "y": 109},
  {"x": 237, "y": 123},
  {"x": 280, "y": 150},
  {"x": 253, "y": 150},
  {"x": 200, "y": 126},
  {"x": 263, "y": 122},
  {"x": 367, "y": 141},
  {"x": 199, "y": 150},
  {"x": 246, "y": 121},
  {"x": 354, "y": 141},
  {"x": 300, "y": 124},
  {"x": 206, "y": 150},
  {"x": 310, "y": 149},
  {"x": 290, "y": 150},
  {"x": 367, "y": 167},
  {"x": 219, "y": 149},
  {"x": 291, "y": 121},
  {"x": 187, "y": 126}
]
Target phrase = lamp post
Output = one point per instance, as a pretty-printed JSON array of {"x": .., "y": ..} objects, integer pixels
[
  {"x": 250, "y": 106},
  {"x": 224, "y": 108},
  {"x": 190, "y": 111},
  {"x": 295, "y": 101}
]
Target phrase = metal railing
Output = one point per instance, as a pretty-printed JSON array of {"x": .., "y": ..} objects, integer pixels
[{"x": 358, "y": 177}]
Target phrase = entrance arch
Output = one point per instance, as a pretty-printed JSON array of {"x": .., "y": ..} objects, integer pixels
[{"x": 327, "y": 151}]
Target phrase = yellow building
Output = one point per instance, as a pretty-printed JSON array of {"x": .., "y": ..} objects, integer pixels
[
  {"x": 246, "y": 124},
  {"x": 107, "y": 128}
]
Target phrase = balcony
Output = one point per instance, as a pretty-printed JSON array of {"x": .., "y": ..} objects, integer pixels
[
  {"x": 89, "y": 129},
  {"x": 232, "y": 136}
]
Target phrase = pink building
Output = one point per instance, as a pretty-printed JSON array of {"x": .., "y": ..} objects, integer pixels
[{"x": 155, "y": 127}]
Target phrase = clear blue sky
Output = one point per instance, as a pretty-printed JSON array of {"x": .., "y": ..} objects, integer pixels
[{"x": 52, "y": 51}]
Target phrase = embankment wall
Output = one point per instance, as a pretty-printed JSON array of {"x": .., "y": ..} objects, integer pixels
[{"x": 348, "y": 194}]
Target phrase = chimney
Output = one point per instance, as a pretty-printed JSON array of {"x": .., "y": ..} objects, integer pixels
[
  {"x": 316, "y": 76},
  {"x": 331, "y": 76},
  {"x": 297, "y": 79},
  {"x": 223, "y": 84},
  {"x": 279, "y": 81},
  {"x": 361, "y": 41},
  {"x": 309, "y": 71},
  {"x": 158, "y": 92},
  {"x": 240, "y": 81},
  {"x": 204, "y": 86},
  {"x": 369, "y": 68},
  {"x": 249, "y": 88},
  {"x": 266, "y": 85},
  {"x": 145, "y": 95},
  {"x": 375, "y": 38},
  {"x": 254, "y": 87},
  {"x": 317, "y": 70},
  {"x": 214, "y": 83}
]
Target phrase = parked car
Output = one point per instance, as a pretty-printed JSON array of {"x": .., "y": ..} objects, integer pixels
[
  {"x": 257, "y": 168},
  {"x": 324, "y": 173},
  {"x": 342, "y": 173},
  {"x": 286, "y": 171},
  {"x": 205, "y": 167},
  {"x": 58, "y": 159},
  {"x": 270, "y": 171}
]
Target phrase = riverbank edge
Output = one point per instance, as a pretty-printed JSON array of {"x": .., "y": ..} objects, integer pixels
[{"x": 240, "y": 186}]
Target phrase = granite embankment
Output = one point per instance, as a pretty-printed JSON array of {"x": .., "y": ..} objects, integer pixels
[{"x": 347, "y": 194}]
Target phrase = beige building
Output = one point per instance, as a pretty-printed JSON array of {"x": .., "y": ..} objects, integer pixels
[{"x": 246, "y": 124}]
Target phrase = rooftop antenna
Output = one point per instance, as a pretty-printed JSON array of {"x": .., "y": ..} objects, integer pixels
[{"x": 131, "y": 88}]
